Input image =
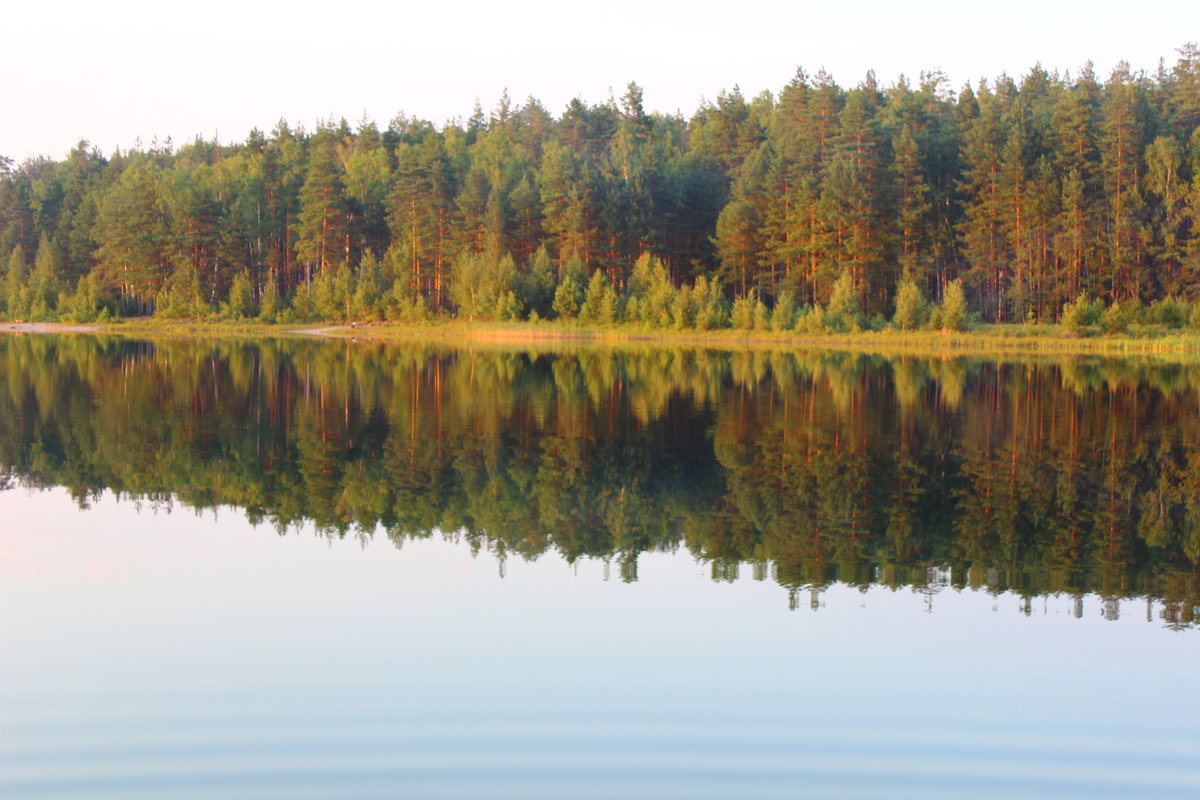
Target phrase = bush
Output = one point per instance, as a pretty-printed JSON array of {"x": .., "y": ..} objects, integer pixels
[
  {"x": 954, "y": 315},
  {"x": 240, "y": 304},
  {"x": 912, "y": 309},
  {"x": 811, "y": 319},
  {"x": 741, "y": 317},
  {"x": 1115, "y": 319},
  {"x": 1081, "y": 313},
  {"x": 843, "y": 313},
  {"x": 1169, "y": 312},
  {"x": 180, "y": 297},
  {"x": 568, "y": 297},
  {"x": 601, "y": 304},
  {"x": 712, "y": 310},
  {"x": 682, "y": 313},
  {"x": 784, "y": 315},
  {"x": 762, "y": 318},
  {"x": 88, "y": 303}
]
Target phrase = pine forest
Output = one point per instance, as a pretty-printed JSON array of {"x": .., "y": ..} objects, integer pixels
[{"x": 1053, "y": 197}]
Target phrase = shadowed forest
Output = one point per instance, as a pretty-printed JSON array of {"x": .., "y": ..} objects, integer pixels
[
  {"x": 1075, "y": 477},
  {"x": 817, "y": 208}
]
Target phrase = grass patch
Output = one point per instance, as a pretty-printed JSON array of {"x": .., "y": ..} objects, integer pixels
[{"x": 983, "y": 340}]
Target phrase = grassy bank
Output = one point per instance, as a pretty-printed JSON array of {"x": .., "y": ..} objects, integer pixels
[{"x": 983, "y": 340}]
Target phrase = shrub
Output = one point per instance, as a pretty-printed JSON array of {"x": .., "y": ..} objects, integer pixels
[
  {"x": 682, "y": 313},
  {"x": 712, "y": 310},
  {"x": 241, "y": 298},
  {"x": 1081, "y": 313},
  {"x": 843, "y": 313},
  {"x": 912, "y": 309},
  {"x": 783, "y": 317},
  {"x": 1169, "y": 312},
  {"x": 741, "y": 316},
  {"x": 954, "y": 314},
  {"x": 762, "y": 319},
  {"x": 1115, "y": 319},
  {"x": 600, "y": 304},
  {"x": 567, "y": 297}
]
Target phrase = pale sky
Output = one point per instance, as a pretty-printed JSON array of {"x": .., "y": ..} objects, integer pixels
[{"x": 134, "y": 69}]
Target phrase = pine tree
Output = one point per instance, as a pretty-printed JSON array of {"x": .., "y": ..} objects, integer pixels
[
  {"x": 912, "y": 309},
  {"x": 241, "y": 298},
  {"x": 44, "y": 284},
  {"x": 14, "y": 285},
  {"x": 953, "y": 313},
  {"x": 986, "y": 246},
  {"x": 323, "y": 220},
  {"x": 568, "y": 296},
  {"x": 1122, "y": 154},
  {"x": 843, "y": 312}
]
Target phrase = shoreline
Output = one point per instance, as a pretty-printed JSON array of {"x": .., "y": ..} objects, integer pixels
[{"x": 983, "y": 341}]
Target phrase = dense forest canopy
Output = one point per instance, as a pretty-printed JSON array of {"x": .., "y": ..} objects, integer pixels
[{"x": 1032, "y": 192}]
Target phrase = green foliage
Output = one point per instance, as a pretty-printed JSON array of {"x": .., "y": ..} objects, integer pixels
[
  {"x": 912, "y": 309},
  {"x": 1032, "y": 191},
  {"x": 953, "y": 314},
  {"x": 651, "y": 298},
  {"x": 843, "y": 313},
  {"x": 15, "y": 299},
  {"x": 180, "y": 297},
  {"x": 535, "y": 288},
  {"x": 783, "y": 316},
  {"x": 683, "y": 311},
  {"x": 330, "y": 293},
  {"x": 400, "y": 306},
  {"x": 711, "y": 308},
  {"x": 568, "y": 297},
  {"x": 271, "y": 306},
  {"x": 809, "y": 320},
  {"x": 600, "y": 304},
  {"x": 87, "y": 303},
  {"x": 241, "y": 298},
  {"x": 1169, "y": 312},
  {"x": 43, "y": 289},
  {"x": 367, "y": 302},
  {"x": 1081, "y": 313},
  {"x": 1115, "y": 318},
  {"x": 762, "y": 317},
  {"x": 741, "y": 317},
  {"x": 484, "y": 286}
]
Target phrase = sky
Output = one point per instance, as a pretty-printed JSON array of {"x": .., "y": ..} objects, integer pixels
[{"x": 134, "y": 70}]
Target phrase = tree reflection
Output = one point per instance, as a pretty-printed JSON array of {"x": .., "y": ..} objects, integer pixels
[{"x": 1072, "y": 477}]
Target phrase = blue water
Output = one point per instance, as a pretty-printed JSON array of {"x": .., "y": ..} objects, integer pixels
[{"x": 149, "y": 653}]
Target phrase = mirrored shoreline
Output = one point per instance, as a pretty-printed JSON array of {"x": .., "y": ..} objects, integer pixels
[{"x": 1077, "y": 477}]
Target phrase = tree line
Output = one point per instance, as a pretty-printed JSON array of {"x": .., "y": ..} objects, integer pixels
[
  {"x": 1078, "y": 478},
  {"x": 1024, "y": 194}
]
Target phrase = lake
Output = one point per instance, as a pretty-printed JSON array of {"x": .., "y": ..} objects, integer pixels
[{"x": 303, "y": 569}]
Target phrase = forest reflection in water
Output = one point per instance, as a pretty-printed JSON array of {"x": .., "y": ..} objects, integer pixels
[{"x": 1070, "y": 477}]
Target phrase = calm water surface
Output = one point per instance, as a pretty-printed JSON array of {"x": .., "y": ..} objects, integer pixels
[{"x": 291, "y": 570}]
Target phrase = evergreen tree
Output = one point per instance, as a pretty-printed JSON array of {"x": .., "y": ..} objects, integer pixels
[
  {"x": 323, "y": 220},
  {"x": 241, "y": 298},
  {"x": 843, "y": 312},
  {"x": 568, "y": 296},
  {"x": 1122, "y": 150},
  {"x": 14, "y": 285},
  {"x": 44, "y": 286},
  {"x": 953, "y": 313},
  {"x": 912, "y": 309}
]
